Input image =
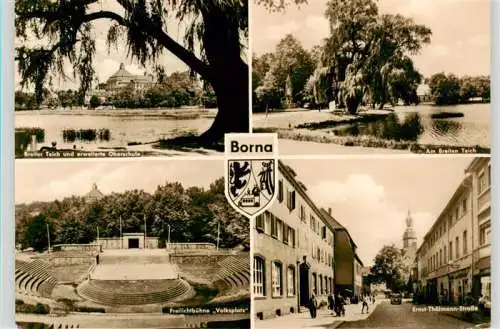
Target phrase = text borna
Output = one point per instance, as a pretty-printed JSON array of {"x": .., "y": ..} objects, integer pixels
[{"x": 250, "y": 148}]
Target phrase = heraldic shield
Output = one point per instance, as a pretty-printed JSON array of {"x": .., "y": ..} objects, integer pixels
[{"x": 251, "y": 184}]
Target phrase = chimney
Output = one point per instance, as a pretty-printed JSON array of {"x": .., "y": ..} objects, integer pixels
[{"x": 330, "y": 211}]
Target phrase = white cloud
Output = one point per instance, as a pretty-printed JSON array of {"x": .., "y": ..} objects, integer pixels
[
  {"x": 277, "y": 32},
  {"x": 361, "y": 205},
  {"x": 318, "y": 25}
]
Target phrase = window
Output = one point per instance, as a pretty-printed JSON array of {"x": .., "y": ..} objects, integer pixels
[
  {"x": 320, "y": 284},
  {"x": 326, "y": 286},
  {"x": 291, "y": 236},
  {"x": 440, "y": 257},
  {"x": 456, "y": 214},
  {"x": 280, "y": 190},
  {"x": 312, "y": 223},
  {"x": 450, "y": 221},
  {"x": 258, "y": 276},
  {"x": 464, "y": 206},
  {"x": 314, "y": 284},
  {"x": 302, "y": 213},
  {"x": 274, "y": 226},
  {"x": 323, "y": 232},
  {"x": 464, "y": 243},
  {"x": 451, "y": 250},
  {"x": 268, "y": 217},
  {"x": 259, "y": 223},
  {"x": 279, "y": 227},
  {"x": 484, "y": 234},
  {"x": 444, "y": 255},
  {"x": 290, "y": 200},
  {"x": 290, "y": 281},
  {"x": 482, "y": 182},
  {"x": 285, "y": 233},
  {"x": 318, "y": 254},
  {"x": 457, "y": 249},
  {"x": 277, "y": 280}
]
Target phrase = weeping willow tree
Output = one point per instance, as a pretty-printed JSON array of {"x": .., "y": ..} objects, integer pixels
[
  {"x": 367, "y": 56},
  {"x": 214, "y": 45}
]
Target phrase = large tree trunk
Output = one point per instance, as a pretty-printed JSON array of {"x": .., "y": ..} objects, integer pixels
[{"x": 221, "y": 41}]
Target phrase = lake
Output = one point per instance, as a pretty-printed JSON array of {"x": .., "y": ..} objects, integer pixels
[
  {"x": 470, "y": 130},
  {"x": 91, "y": 130}
]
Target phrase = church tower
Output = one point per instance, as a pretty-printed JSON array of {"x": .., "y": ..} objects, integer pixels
[{"x": 410, "y": 238}]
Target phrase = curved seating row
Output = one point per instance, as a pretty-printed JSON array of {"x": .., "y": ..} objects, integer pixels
[
  {"x": 33, "y": 278},
  {"x": 118, "y": 292},
  {"x": 233, "y": 274}
]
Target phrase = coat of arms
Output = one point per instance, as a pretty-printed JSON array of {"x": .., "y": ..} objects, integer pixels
[{"x": 251, "y": 180}]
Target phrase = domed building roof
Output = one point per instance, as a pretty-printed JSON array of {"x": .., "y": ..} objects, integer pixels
[
  {"x": 121, "y": 73},
  {"x": 94, "y": 194}
]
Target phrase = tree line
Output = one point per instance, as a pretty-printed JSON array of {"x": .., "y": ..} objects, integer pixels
[
  {"x": 448, "y": 89},
  {"x": 173, "y": 91},
  {"x": 191, "y": 214}
]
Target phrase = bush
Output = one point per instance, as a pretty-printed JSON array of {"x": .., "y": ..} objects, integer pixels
[
  {"x": 94, "y": 101},
  {"x": 41, "y": 309},
  {"x": 91, "y": 309}
]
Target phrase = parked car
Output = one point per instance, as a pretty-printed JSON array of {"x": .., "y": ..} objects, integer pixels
[{"x": 396, "y": 299}]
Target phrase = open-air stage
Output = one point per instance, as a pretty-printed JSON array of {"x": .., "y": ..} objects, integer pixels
[{"x": 139, "y": 264}]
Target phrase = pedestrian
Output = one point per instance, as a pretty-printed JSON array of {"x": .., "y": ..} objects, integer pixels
[
  {"x": 331, "y": 302},
  {"x": 365, "y": 303},
  {"x": 339, "y": 303},
  {"x": 313, "y": 305},
  {"x": 481, "y": 302}
]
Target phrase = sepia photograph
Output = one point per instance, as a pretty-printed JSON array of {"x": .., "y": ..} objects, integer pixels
[
  {"x": 352, "y": 243},
  {"x": 123, "y": 78},
  {"x": 368, "y": 76},
  {"x": 129, "y": 244}
]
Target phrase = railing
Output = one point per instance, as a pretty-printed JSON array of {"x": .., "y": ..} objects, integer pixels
[
  {"x": 77, "y": 247},
  {"x": 483, "y": 251},
  {"x": 190, "y": 246}
]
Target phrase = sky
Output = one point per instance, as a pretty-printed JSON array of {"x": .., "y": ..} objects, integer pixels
[
  {"x": 371, "y": 198},
  {"x": 56, "y": 179},
  {"x": 460, "y": 41}
]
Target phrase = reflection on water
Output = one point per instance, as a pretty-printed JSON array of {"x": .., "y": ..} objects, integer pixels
[
  {"x": 392, "y": 127},
  {"x": 445, "y": 127},
  {"x": 23, "y": 138},
  {"x": 86, "y": 135},
  {"x": 473, "y": 128}
]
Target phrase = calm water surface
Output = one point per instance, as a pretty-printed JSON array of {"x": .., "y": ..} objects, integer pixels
[
  {"x": 470, "y": 130},
  {"x": 91, "y": 131}
]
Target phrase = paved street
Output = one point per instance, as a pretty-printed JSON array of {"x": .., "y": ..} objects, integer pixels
[
  {"x": 402, "y": 317},
  {"x": 324, "y": 319},
  {"x": 382, "y": 316}
]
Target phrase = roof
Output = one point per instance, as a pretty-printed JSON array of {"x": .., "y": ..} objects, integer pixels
[
  {"x": 94, "y": 194},
  {"x": 336, "y": 225},
  {"x": 121, "y": 73}
]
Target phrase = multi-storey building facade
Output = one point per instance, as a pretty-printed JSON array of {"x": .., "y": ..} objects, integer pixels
[
  {"x": 480, "y": 171},
  {"x": 293, "y": 251},
  {"x": 347, "y": 265},
  {"x": 454, "y": 258}
]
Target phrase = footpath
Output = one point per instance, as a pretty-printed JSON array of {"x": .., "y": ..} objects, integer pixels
[{"x": 324, "y": 319}]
